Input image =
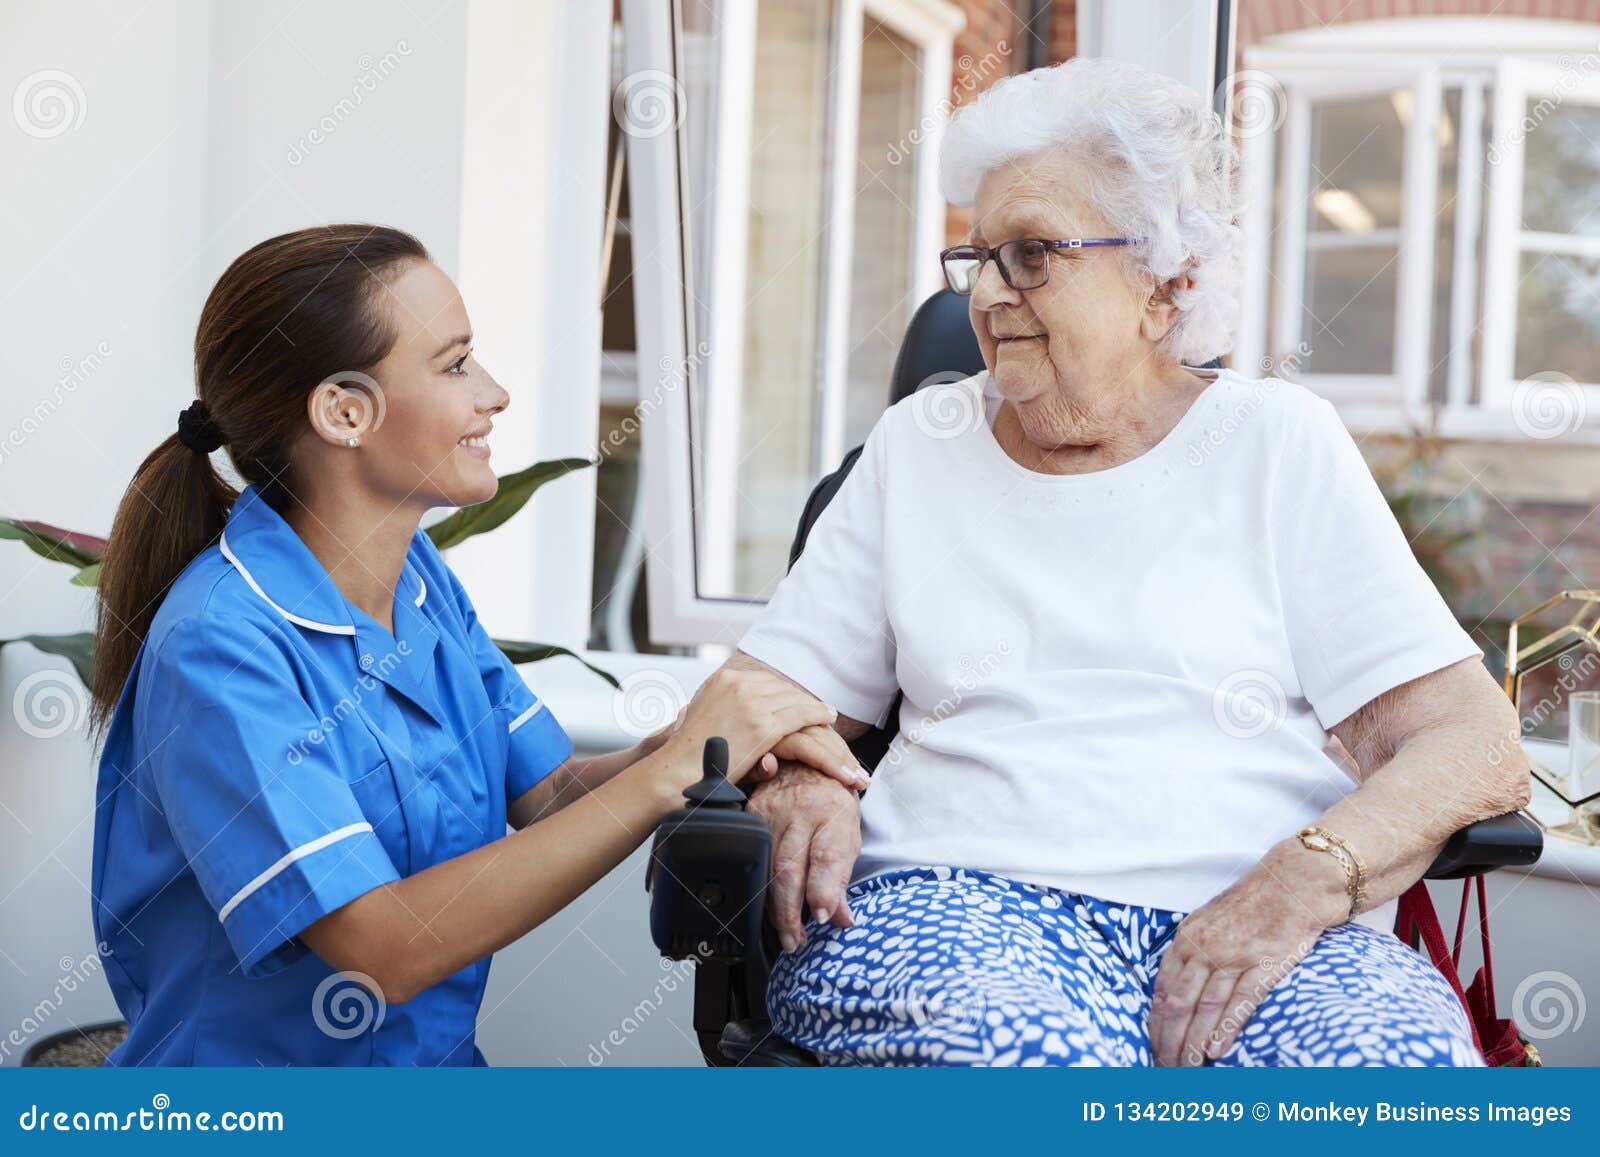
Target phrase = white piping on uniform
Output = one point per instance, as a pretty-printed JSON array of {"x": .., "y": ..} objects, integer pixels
[
  {"x": 423, "y": 593},
  {"x": 525, "y": 716},
  {"x": 331, "y": 628},
  {"x": 299, "y": 853}
]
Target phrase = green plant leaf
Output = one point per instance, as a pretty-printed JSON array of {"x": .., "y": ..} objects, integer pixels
[
  {"x": 53, "y": 543},
  {"x": 535, "y": 652},
  {"x": 89, "y": 576},
  {"x": 515, "y": 490},
  {"x": 78, "y": 648}
]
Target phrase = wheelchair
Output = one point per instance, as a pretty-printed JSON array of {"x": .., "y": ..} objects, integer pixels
[{"x": 711, "y": 860}]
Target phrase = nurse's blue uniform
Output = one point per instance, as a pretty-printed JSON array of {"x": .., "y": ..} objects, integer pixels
[{"x": 275, "y": 754}]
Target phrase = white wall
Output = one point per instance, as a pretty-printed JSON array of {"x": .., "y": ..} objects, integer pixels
[
  {"x": 478, "y": 126},
  {"x": 105, "y": 256}
]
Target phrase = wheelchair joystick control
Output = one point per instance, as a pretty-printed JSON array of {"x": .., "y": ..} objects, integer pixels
[
  {"x": 708, "y": 870},
  {"x": 714, "y": 790}
]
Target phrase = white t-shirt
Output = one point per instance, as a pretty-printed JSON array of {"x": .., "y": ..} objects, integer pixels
[{"x": 1116, "y": 683}]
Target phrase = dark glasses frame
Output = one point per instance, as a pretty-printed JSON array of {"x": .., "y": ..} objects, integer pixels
[{"x": 1001, "y": 257}]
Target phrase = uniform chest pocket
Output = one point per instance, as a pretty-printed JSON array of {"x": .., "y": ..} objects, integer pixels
[{"x": 377, "y": 796}]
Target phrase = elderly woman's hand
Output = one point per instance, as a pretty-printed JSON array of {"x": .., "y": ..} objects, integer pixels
[
  {"x": 1229, "y": 953},
  {"x": 816, "y": 831}
]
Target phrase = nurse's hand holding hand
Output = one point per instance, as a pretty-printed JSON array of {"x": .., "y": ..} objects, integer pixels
[
  {"x": 765, "y": 718},
  {"x": 411, "y": 934}
]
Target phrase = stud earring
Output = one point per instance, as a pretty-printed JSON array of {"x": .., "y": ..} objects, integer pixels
[{"x": 352, "y": 441}]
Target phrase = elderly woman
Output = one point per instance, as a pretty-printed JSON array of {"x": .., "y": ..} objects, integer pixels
[{"x": 1127, "y": 603}]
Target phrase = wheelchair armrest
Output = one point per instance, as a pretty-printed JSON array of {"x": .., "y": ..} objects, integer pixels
[{"x": 1511, "y": 840}]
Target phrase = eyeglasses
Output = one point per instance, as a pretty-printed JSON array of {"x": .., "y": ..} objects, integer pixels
[{"x": 1023, "y": 263}]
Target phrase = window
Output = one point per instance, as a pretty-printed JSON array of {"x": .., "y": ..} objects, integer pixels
[
  {"x": 1543, "y": 274},
  {"x": 793, "y": 225},
  {"x": 1419, "y": 232},
  {"x": 1352, "y": 222}
]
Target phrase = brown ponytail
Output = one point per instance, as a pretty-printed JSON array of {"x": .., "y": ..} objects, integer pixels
[{"x": 285, "y": 316}]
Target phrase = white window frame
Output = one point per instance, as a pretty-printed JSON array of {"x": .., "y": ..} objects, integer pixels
[
  {"x": 1470, "y": 52},
  {"x": 1515, "y": 82},
  {"x": 1177, "y": 38},
  {"x": 1307, "y": 78},
  {"x": 679, "y": 613}
]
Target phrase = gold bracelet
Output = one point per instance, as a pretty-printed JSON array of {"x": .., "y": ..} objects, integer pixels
[{"x": 1355, "y": 870}]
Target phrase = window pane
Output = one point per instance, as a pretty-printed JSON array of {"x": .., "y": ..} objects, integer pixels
[
  {"x": 880, "y": 275},
  {"x": 1558, "y": 316},
  {"x": 619, "y": 610},
  {"x": 1348, "y": 324},
  {"x": 1357, "y": 158},
  {"x": 1444, "y": 247},
  {"x": 762, "y": 463},
  {"x": 1561, "y": 168}
]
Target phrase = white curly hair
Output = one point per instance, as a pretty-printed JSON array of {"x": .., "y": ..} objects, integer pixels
[{"x": 1160, "y": 167}]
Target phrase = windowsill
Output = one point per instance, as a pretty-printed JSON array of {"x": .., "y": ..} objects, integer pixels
[{"x": 1565, "y": 857}]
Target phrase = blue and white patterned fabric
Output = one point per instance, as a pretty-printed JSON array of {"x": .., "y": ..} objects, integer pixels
[{"x": 957, "y": 967}]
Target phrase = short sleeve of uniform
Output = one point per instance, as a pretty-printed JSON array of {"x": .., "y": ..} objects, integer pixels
[
  {"x": 536, "y": 742},
  {"x": 265, "y": 819},
  {"x": 1361, "y": 614},
  {"x": 827, "y": 625}
]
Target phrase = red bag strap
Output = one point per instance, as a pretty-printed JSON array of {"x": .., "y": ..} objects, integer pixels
[
  {"x": 1418, "y": 918},
  {"x": 1461, "y": 928},
  {"x": 1483, "y": 932}
]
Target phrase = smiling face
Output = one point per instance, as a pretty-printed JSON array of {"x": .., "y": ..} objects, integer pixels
[
  {"x": 1064, "y": 355},
  {"x": 423, "y": 433}
]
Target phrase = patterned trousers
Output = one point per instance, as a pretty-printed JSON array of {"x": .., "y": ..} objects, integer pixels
[{"x": 960, "y": 967}]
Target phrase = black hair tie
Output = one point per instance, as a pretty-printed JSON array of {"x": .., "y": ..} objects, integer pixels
[{"x": 197, "y": 431}]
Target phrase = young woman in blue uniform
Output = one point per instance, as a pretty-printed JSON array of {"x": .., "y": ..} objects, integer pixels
[{"x": 312, "y": 747}]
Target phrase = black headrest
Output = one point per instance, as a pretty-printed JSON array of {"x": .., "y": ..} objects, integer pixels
[
  {"x": 940, "y": 346},
  {"x": 940, "y": 341}
]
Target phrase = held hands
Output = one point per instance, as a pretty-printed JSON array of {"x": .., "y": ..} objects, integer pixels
[{"x": 762, "y": 716}]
